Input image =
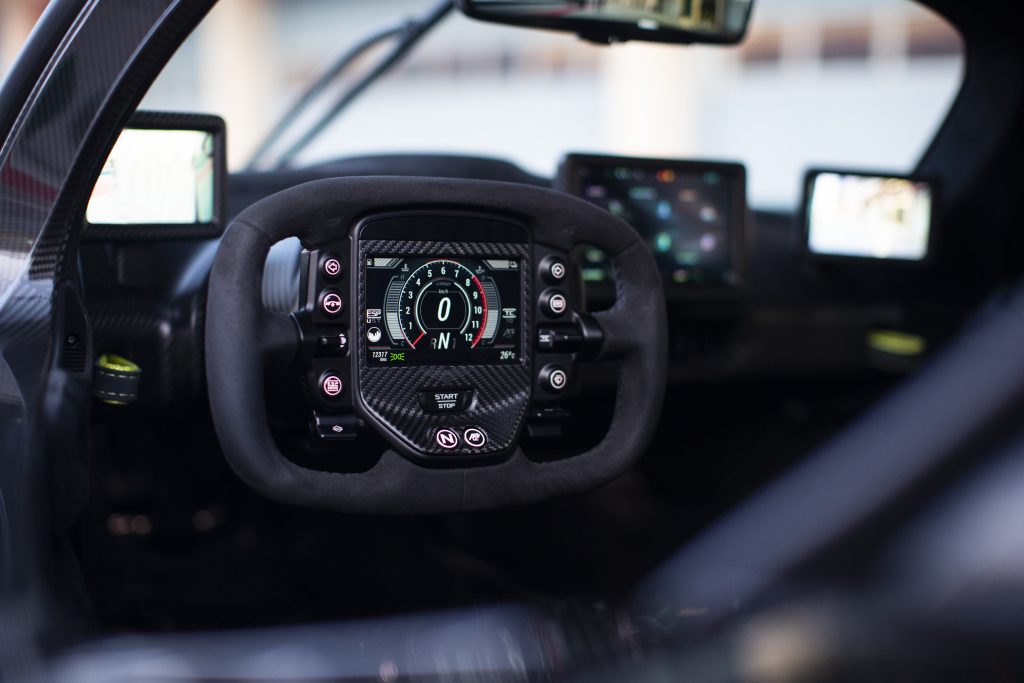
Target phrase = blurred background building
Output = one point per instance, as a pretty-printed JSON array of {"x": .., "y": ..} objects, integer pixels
[{"x": 861, "y": 83}]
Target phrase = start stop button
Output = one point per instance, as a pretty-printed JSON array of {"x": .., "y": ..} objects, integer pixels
[{"x": 445, "y": 400}]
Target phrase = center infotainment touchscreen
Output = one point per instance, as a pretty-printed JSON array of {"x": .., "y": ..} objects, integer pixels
[
  {"x": 691, "y": 213},
  {"x": 442, "y": 310}
]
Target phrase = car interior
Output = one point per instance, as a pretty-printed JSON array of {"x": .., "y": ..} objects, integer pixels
[{"x": 444, "y": 416}]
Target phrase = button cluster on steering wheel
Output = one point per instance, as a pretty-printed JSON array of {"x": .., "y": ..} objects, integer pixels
[{"x": 455, "y": 335}]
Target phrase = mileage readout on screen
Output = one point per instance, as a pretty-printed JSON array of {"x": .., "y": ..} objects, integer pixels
[{"x": 442, "y": 310}]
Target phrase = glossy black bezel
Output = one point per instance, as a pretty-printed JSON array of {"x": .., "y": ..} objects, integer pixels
[
  {"x": 736, "y": 175},
  {"x": 145, "y": 232},
  {"x": 866, "y": 261}
]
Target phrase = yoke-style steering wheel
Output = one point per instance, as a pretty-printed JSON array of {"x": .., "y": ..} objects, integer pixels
[{"x": 441, "y": 315}]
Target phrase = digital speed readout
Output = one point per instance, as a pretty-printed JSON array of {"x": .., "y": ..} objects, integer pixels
[{"x": 442, "y": 310}]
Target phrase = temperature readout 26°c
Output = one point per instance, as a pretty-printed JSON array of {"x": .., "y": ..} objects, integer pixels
[{"x": 442, "y": 310}]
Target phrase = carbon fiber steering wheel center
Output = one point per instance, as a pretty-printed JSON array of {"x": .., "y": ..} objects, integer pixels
[{"x": 443, "y": 361}]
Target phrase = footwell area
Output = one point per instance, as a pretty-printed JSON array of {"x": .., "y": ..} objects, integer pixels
[{"x": 173, "y": 540}]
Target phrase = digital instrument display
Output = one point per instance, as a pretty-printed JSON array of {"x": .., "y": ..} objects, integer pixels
[
  {"x": 442, "y": 310},
  {"x": 867, "y": 216},
  {"x": 690, "y": 213}
]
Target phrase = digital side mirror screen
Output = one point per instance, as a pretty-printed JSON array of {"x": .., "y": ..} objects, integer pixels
[
  {"x": 862, "y": 216},
  {"x": 163, "y": 178}
]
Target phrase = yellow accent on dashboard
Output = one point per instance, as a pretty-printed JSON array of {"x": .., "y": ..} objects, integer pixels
[{"x": 897, "y": 343}]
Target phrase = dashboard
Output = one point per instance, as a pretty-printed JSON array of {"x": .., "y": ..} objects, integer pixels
[
  {"x": 747, "y": 302},
  {"x": 458, "y": 337}
]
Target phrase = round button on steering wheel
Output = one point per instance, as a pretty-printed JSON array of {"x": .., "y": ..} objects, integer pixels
[{"x": 242, "y": 336}]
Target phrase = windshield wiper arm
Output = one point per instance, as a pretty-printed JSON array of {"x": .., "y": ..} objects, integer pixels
[
  {"x": 314, "y": 90},
  {"x": 408, "y": 34}
]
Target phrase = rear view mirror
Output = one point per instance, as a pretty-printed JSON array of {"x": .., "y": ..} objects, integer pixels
[{"x": 610, "y": 21}]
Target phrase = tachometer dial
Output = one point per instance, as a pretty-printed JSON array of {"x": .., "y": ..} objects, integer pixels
[
  {"x": 444, "y": 306},
  {"x": 438, "y": 309}
]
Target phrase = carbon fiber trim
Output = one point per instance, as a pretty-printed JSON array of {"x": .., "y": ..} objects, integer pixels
[
  {"x": 502, "y": 392},
  {"x": 85, "y": 81}
]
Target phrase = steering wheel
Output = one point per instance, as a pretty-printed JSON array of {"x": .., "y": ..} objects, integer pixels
[{"x": 440, "y": 314}]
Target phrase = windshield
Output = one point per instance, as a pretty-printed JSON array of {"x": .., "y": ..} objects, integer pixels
[{"x": 851, "y": 83}]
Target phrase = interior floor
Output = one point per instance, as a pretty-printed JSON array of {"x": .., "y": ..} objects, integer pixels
[{"x": 172, "y": 539}]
